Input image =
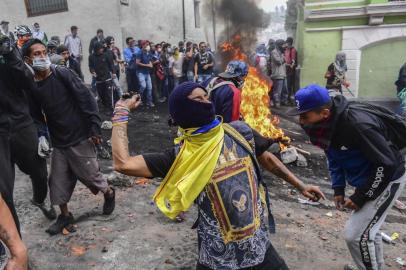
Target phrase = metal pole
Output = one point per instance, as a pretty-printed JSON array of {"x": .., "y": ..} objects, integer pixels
[
  {"x": 214, "y": 23},
  {"x": 184, "y": 20}
]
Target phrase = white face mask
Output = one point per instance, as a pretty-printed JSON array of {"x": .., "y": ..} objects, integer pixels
[
  {"x": 148, "y": 48},
  {"x": 41, "y": 64}
]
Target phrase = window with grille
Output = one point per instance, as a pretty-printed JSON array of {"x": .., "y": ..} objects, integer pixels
[{"x": 42, "y": 7}]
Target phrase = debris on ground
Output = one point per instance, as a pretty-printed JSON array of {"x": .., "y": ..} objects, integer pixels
[
  {"x": 301, "y": 161},
  {"x": 307, "y": 201},
  {"x": 119, "y": 180},
  {"x": 401, "y": 261},
  {"x": 329, "y": 214},
  {"x": 107, "y": 125},
  {"x": 78, "y": 250},
  {"x": 289, "y": 155},
  {"x": 102, "y": 152},
  {"x": 386, "y": 238},
  {"x": 394, "y": 236},
  {"x": 142, "y": 181},
  {"x": 399, "y": 205}
]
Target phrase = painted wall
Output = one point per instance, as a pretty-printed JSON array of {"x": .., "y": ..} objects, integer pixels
[
  {"x": 380, "y": 64},
  {"x": 318, "y": 52}
]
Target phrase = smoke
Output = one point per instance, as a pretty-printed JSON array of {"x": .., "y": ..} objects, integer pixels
[
  {"x": 242, "y": 20},
  {"x": 243, "y": 14}
]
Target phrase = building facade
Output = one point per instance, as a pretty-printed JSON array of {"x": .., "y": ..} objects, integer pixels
[
  {"x": 372, "y": 33},
  {"x": 154, "y": 20}
]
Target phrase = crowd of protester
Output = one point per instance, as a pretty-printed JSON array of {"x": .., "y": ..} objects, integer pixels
[{"x": 46, "y": 110}]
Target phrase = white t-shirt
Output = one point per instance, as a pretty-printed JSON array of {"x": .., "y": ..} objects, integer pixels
[{"x": 176, "y": 65}]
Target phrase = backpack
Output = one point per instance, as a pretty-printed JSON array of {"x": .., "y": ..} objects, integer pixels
[
  {"x": 396, "y": 123},
  {"x": 212, "y": 85}
]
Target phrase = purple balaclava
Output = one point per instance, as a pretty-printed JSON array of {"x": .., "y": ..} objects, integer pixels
[{"x": 189, "y": 113}]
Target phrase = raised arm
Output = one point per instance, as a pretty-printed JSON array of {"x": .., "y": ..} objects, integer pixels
[
  {"x": 272, "y": 164},
  {"x": 123, "y": 162}
]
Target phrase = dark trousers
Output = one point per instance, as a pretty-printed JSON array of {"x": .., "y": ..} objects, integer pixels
[
  {"x": 132, "y": 80},
  {"x": 155, "y": 87},
  {"x": 24, "y": 153},
  {"x": 272, "y": 261},
  {"x": 107, "y": 93},
  {"x": 290, "y": 81},
  {"x": 7, "y": 176}
]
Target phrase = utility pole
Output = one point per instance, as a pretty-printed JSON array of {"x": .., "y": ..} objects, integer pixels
[
  {"x": 213, "y": 11},
  {"x": 184, "y": 20}
]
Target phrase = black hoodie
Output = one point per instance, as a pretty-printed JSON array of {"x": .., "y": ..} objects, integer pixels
[
  {"x": 15, "y": 79},
  {"x": 356, "y": 129}
]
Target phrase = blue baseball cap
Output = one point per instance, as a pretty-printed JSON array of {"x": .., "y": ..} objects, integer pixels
[
  {"x": 235, "y": 69},
  {"x": 309, "y": 98}
]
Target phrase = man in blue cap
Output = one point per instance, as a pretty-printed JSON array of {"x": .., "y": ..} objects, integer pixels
[
  {"x": 225, "y": 90},
  {"x": 216, "y": 166},
  {"x": 362, "y": 143}
]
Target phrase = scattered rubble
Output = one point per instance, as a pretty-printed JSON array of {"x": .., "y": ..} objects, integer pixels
[{"x": 107, "y": 125}]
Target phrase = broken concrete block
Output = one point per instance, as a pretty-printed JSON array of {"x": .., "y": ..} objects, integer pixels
[
  {"x": 289, "y": 155},
  {"x": 301, "y": 161}
]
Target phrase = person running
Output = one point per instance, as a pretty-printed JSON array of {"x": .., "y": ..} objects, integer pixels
[
  {"x": 74, "y": 128},
  {"x": 362, "y": 143},
  {"x": 216, "y": 166},
  {"x": 225, "y": 90},
  {"x": 335, "y": 74}
]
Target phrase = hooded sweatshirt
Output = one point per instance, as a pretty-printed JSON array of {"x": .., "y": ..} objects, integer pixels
[{"x": 361, "y": 152}]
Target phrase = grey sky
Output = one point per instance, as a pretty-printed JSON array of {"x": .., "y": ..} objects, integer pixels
[{"x": 269, "y": 5}]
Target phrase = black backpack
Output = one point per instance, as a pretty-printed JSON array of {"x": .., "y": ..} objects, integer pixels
[{"x": 395, "y": 122}]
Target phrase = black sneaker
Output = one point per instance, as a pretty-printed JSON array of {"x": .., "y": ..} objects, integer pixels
[
  {"x": 48, "y": 213},
  {"x": 109, "y": 203},
  {"x": 61, "y": 223}
]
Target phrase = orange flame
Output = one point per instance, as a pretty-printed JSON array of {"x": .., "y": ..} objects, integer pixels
[{"x": 255, "y": 99}]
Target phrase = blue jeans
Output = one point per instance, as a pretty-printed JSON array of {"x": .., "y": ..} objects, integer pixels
[
  {"x": 145, "y": 84},
  {"x": 203, "y": 77},
  {"x": 279, "y": 91}
]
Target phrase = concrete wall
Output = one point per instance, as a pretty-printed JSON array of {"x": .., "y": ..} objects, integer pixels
[
  {"x": 380, "y": 64},
  {"x": 154, "y": 20},
  {"x": 327, "y": 32},
  {"x": 318, "y": 52}
]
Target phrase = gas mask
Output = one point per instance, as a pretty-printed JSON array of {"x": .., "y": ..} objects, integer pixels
[{"x": 41, "y": 64}]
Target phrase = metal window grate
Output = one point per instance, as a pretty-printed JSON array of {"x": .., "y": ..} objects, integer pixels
[{"x": 42, "y": 7}]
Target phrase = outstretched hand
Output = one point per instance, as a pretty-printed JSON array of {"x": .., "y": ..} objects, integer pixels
[
  {"x": 313, "y": 193},
  {"x": 130, "y": 103}
]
